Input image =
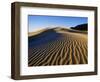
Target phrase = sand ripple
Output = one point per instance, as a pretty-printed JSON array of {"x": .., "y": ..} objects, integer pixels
[{"x": 65, "y": 49}]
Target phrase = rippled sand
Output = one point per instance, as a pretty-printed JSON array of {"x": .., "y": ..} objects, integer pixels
[{"x": 57, "y": 47}]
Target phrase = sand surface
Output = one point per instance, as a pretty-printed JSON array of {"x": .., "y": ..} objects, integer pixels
[{"x": 57, "y": 47}]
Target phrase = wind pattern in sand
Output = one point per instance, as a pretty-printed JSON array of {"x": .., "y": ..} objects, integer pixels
[{"x": 57, "y": 46}]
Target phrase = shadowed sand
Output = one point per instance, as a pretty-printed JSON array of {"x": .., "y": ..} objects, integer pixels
[{"x": 57, "y": 46}]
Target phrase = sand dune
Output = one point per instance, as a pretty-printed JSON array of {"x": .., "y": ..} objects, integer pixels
[
  {"x": 36, "y": 33},
  {"x": 57, "y": 47}
]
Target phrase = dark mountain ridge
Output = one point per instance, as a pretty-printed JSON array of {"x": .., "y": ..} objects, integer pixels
[{"x": 81, "y": 27}]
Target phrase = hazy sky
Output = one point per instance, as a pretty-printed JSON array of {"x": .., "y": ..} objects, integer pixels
[{"x": 36, "y": 22}]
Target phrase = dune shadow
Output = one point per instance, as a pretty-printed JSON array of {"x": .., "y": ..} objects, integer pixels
[{"x": 43, "y": 38}]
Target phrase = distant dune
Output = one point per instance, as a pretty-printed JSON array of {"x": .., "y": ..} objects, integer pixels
[
  {"x": 36, "y": 33},
  {"x": 57, "y": 46}
]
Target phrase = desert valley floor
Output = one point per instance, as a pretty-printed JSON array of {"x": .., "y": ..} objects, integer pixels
[{"x": 57, "y": 46}]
